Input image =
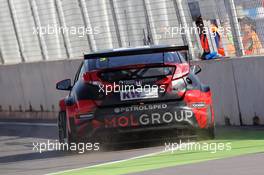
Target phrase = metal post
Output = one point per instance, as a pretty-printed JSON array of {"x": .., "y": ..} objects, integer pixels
[
  {"x": 237, "y": 95},
  {"x": 116, "y": 25},
  {"x": 2, "y": 61},
  {"x": 182, "y": 21},
  {"x": 176, "y": 8},
  {"x": 109, "y": 34},
  {"x": 14, "y": 22},
  {"x": 149, "y": 32},
  {"x": 127, "y": 28},
  {"x": 196, "y": 33},
  {"x": 35, "y": 15},
  {"x": 231, "y": 8},
  {"x": 87, "y": 23},
  {"x": 151, "y": 24},
  {"x": 62, "y": 22},
  {"x": 210, "y": 37},
  {"x": 224, "y": 39}
]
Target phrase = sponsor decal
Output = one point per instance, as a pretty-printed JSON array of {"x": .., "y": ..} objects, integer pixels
[
  {"x": 137, "y": 82},
  {"x": 198, "y": 105},
  {"x": 140, "y": 108},
  {"x": 149, "y": 119},
  {"x": 134, "y": 95}
]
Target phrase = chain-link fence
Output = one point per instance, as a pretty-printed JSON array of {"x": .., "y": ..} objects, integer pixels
[{"x": 35, "y": 30}]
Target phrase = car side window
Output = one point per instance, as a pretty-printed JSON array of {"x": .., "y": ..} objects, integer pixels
[
  {"x": 171, "y": 57},
  {"x": 77, "y": 75},
  {"x": 183, "y": 57},
  {"x": 81, "y": 71}
]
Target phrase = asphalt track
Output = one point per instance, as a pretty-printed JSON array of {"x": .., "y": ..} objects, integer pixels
[
  {"x": 242, "y": 165},
  {"x": 17, "y": 155}
]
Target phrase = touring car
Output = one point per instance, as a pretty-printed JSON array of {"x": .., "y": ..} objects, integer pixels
[{"x": 150, "y": 88}]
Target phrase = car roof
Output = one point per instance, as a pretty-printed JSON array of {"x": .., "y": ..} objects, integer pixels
[{"x": 135, "y": 51}]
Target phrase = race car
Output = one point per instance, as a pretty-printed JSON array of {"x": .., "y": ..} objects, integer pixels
[{"x": 131, "y": 90}]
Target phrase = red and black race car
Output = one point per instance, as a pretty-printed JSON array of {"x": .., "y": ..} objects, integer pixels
[{"x": 134, "y": 90}]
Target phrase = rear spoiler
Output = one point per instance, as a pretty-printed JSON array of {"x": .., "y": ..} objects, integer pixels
[{"x": 135, "y": 51}]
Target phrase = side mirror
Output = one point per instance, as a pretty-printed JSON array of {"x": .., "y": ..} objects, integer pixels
[
  {"x": 196, "y": 69},
  {"x": 64, "y": 85}
]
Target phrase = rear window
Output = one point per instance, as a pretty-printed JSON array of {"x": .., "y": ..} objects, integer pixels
[
  {"x": 140, "y": 73},
  {"x": 111, "y": 62}
]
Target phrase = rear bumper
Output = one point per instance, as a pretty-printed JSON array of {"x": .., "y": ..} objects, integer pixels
[
  {"x": 143, "y": 118},
  {"x": 142, "y": 134}
]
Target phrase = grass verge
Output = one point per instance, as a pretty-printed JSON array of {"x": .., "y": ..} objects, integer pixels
[{"x": 242, "y": 141}]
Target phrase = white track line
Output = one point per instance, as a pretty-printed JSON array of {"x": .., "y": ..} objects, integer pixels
[
  {"x": 28, "y": 124},
  {"x": 113, "y": 162},
  {"x": 107, "y": 163}
]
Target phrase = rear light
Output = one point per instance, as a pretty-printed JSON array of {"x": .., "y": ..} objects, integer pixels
[
  {"x": 178, "y": 86},
  {"x": 96, "y": 83},
  {"x": 91, "y": 79},
  {"x": 88, "y": 77},
  {"x": 165, "y": 80},
  {"x": 181, "y": 70}
]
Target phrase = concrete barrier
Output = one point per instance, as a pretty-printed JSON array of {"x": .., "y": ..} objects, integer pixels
[
  {"x": 28, "y": 89},
  {"x": 31, "y": 86},
  {"x": 219, "y": 75},
  {"x": 238, "y": 88}
]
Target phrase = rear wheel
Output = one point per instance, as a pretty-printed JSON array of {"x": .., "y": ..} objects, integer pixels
[
  {"x": 62, "y": 126},
  {"x": 204, "y": 134},
  {"x": 211, "y": 132},
  {"x": 70, "y": 138},
  {"x": 64, "y": 135}
]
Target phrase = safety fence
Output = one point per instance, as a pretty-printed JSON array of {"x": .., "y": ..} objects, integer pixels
[{"x": 36, "y": 30}]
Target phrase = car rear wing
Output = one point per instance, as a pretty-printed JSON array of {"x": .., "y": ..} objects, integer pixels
[{"x": 135, "y": 51}]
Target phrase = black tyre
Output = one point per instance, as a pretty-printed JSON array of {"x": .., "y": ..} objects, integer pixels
[
  {"x": 64, "y": 135},
  {"x": 204, "y": 134},
  {"x": 211, "y": 132},
  {"x": 62, "y": 126}
]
